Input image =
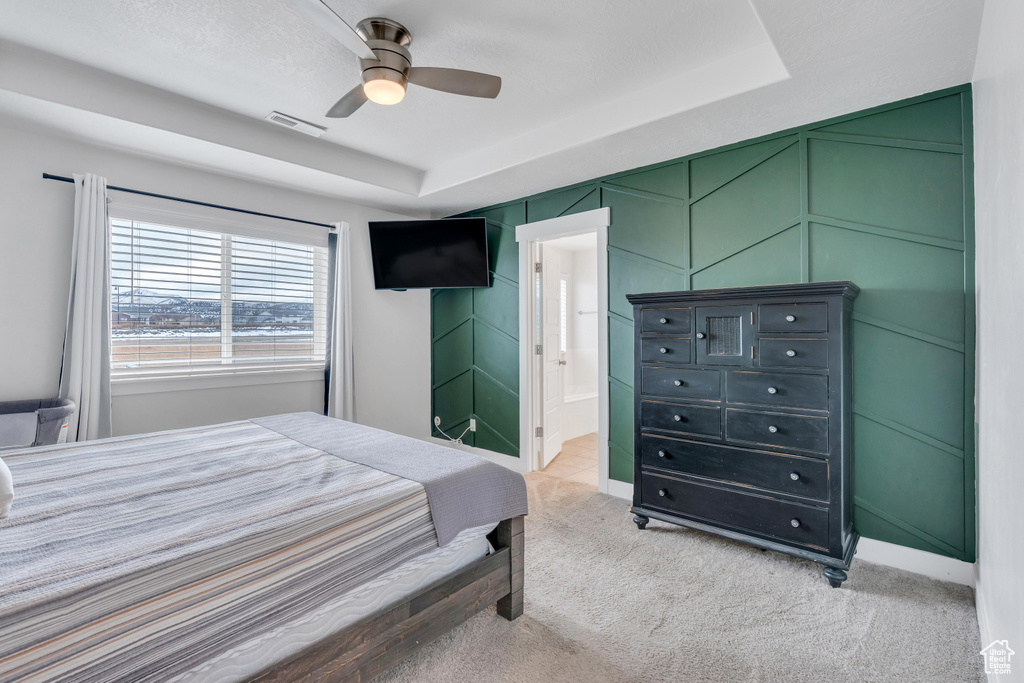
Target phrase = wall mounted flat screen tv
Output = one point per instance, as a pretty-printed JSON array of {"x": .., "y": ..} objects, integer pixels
[{"x": 450, "y": 252}]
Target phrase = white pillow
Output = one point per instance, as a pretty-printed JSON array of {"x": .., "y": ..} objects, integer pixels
[{"x": 6, "y": 490}]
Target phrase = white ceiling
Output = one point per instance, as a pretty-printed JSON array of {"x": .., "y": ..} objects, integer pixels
[
  {"x": 584, "y": 242},
  {"x": 589, "y": 87}
]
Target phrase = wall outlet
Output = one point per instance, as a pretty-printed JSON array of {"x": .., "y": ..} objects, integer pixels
[{"x": 472, "y": 424}]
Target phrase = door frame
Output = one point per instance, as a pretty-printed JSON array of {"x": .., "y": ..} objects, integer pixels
[{"x": 529, "y": 235}]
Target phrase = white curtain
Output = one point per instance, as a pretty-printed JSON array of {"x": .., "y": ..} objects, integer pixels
[
  {"x": 85, "y": 370},
  {"x": 341, "y": 393}
]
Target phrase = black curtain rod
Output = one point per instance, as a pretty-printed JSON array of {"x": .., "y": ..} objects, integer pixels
[{"x": 64, "y": 179}]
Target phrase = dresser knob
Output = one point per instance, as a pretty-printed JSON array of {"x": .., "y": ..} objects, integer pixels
[
  {"x": 795, "y": 476},
  {"x": 678, "y": 382},
  {"x": 772, "y": 390},
  {"x": 700, "y": 335},
  {"x": 772, "y": 428},
  {"x": 663, "y": 350},
  {"x": 794, "y": 522},
  {"x": 677, "y": 418},
  {"x": 791, "y": 353},
  {"x": 790, "y": 318},
  {"x": 663, "y": 321},
  {"x": 662, "y": 454},
  {"x": 662, "y": 492}
]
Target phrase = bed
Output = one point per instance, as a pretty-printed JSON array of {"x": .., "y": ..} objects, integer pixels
[{"x": 293, "y": 547}]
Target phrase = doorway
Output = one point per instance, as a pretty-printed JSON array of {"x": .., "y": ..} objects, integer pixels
[
  {"x": 563, "y": 346},
  {"x": 567, "y": 334}
]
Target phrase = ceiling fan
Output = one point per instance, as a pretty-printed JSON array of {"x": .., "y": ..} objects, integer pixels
[{"x": 381, "y": 46}]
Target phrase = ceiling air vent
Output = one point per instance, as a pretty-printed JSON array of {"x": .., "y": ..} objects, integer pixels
[{"x": 295, "y": 124}]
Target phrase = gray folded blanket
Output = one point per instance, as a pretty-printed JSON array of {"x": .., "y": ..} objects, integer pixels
[{"x": 463, "y": 490}]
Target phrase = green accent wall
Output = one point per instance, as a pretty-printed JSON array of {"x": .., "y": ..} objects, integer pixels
[{"x": 883, "y": 197}]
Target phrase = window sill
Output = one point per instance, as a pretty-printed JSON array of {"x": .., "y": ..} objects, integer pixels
[{"x": 128, "y": 386}]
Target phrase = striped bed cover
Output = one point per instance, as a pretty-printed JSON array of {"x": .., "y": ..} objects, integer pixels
[{"x": 139, "y": 558}]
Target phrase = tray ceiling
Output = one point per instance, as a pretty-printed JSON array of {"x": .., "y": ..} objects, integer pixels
[{"x": 588, "y": 88}]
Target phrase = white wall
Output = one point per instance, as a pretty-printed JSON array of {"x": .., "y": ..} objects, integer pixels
[
  {"x": 583, "y": 341},
  {"x": 999, "y": 196},
  {"x": 392, "y": 329},
  {"x": 580, "y": 404}
]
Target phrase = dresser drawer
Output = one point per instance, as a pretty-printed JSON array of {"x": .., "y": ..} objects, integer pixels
[
  {"x": 803, "y": 432},
  {"x": 665, "y": 350},
  {"x": 792, "y": 353},
  {"x": 666, "y": 320},
  {"x": 680, "y": 417},
  {"x": 777, "y": 389},
  {"x": 783, "y": 473},
  {"x": 792, "y": 318},
  {"x": 803, "y": 524},
  {"x": 680, "y": 383}
]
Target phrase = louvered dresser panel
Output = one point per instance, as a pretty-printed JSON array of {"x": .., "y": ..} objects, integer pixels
[{"x": 742, "y": 416}]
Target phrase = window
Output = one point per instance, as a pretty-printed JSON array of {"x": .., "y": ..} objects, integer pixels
[{"x": 187, "y": 301}]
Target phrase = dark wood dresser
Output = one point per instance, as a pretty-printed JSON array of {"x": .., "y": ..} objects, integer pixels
[{"x": 742, "y": 416}]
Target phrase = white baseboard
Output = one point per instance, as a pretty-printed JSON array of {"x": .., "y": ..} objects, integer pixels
[
  {"x": 620, "y": 489},
  {"x": 981, "y": 602},
  {"x": 916, "y": 561},
  {"x": 511, "y": 462}
]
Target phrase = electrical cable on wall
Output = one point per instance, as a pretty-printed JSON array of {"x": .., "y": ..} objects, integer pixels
[{"x": 458, "y": 440}]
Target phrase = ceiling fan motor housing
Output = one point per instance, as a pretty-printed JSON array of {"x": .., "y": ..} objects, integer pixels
[{"x": 388, "y": 39}]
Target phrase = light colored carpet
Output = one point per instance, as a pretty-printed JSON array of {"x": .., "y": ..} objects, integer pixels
[{"x": 606, "y": 602}]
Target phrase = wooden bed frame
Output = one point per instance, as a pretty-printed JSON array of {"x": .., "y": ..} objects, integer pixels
[{"x": 374, "y": 644}]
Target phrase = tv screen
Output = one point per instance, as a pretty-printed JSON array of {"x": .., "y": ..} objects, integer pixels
[{"x": 451, "y": 252}]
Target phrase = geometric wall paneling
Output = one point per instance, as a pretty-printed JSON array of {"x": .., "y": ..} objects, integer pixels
[
  {"x": 891, "y": 187},
  {"x": 557, "y": 204},
  {"x": 488, "y": 438},
  {"x": 456, "y": 395},
  {"x": 588, "y": 203},
  {"x": 908, "y": 283},
  {"x": 747, "y": 209},
  {"x": 618, "y": 463},
  {"x": 449, "y": 309},
  {"x": 620, "y": 350},
  {"x": 498, "y": 305},
  {"x": 881, "y": 197},
  {"x": 916, "y": 470},
  {"x": 503, "y": 251},
  {"x": 629, "y": 274},
  {"x": 496, "y": 354},
  {"x": 938, "y": 120},
  {"x": 496, "y": 406},
  {"x": 667, "y": 181},
  {"x": 509, "y": 215},
  {"x": 646, "y": 227},
  {"x": 620, "y": 430},
  {"x": 910, "y": 382},
  {"x": 710, "y": 171},
  {"x": 775, "y": 260},
  {"x": 475, "y": 341},
  {"x": 452, "y": 353}
]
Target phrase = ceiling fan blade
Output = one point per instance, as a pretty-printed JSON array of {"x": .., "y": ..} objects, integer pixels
[
  {"x": 456, "y": 81},
  {"x": 330, "y": 21},
  {"x": 347, "y": 105}
]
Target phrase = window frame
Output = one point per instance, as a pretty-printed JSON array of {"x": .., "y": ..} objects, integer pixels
[{"x": 188, "y": 376}]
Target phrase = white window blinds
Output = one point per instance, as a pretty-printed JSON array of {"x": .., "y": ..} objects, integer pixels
[{"x": 188, "y": 301}]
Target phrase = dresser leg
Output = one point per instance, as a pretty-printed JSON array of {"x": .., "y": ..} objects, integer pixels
[
  {"x": 835, "y": 576},
  {"x": 640, "y": 521}
]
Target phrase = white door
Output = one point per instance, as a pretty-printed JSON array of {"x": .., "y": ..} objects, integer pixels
[{"x": 553, "y": 358}]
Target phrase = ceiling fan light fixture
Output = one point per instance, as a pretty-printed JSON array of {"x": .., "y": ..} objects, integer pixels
[{"x": 384, "y": 91}]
